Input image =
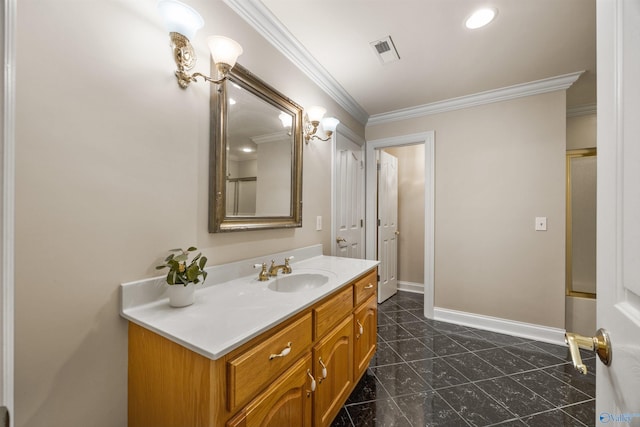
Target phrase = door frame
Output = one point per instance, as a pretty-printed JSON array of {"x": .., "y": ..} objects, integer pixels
[
  {"x": 7, "y": 211},
  {"x": 371, "y": 212},
  {"x": 347, "y": 133}
]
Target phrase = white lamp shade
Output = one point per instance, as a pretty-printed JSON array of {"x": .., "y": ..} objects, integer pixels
[
  {"x": 330, "y": 124},
  {"x": 315, "y": 113},
  {"x": 180, "y": 18},
  {"x": 224, "y": 50},
  {"x": 286, "y": 119}
]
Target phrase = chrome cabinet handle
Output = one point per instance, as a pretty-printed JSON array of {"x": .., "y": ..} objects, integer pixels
[
  {"x": 324, "y": 369},
  {"x": 283, "y": 353},
  {"x": 599, "y": 344}
]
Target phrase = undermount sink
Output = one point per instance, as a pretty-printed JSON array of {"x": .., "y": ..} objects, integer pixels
[{"x": 299, "y": 282}]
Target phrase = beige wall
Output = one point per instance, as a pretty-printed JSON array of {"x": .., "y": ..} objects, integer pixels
[
  {"x": 498, "y": 166},
  {"x": 105, "y": 141},
  {"x": 581, "y": 132},
  {"x": 410, "y": 212}
]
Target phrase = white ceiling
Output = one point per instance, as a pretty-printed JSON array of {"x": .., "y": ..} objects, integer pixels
[{"x": 439, "y": 58}]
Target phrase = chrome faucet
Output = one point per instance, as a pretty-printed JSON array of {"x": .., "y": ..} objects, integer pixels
[{"x": 286, "y": 268}]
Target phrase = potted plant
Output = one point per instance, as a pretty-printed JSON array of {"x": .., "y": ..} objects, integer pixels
[{"x": 183, "y": 274}]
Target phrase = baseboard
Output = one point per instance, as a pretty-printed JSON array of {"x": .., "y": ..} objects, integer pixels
[
  {"x": 504, "y": 326},
  {"x": 417, "y": 288}
]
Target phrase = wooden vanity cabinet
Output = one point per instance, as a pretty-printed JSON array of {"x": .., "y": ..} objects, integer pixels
[
  {"x": 170, "y": 385},
  {"x": 286, "y": 402},
  {"x": 365, "y": 335},
  {"x": 333, "y": 368}
]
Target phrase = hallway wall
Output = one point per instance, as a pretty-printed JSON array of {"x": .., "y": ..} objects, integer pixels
[
  {"x": 498, "y": 166},
  {"x": 112, "y": 171}
]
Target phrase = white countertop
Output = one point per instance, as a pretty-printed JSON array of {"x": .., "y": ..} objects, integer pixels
[{"x": 226, "y": 315}]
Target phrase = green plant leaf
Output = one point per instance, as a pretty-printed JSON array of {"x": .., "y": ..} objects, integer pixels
[
  {"x": 181, "y": 258},
  {"x": 192, "y": 248},
  {"x": 203, "y": 262}
]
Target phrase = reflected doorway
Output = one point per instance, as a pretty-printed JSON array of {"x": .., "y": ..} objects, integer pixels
[{"x": 581, "y": 223}]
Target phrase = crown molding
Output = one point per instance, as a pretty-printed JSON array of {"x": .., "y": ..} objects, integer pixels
[
  {"x": 537, "y": 87},
  {"x": 267, "y": 25},
  {"x": 582, "y": 110}
]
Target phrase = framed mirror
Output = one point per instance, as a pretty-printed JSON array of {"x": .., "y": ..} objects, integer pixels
[{"x": 255, "y": 160}]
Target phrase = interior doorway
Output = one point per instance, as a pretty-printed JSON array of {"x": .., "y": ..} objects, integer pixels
[{"x": 428, "y": 141}]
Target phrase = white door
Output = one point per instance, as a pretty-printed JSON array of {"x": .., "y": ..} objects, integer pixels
[
  {"x": 618, "y": 263},
  {"x": 387, "y": 225},
  {"x": 349, "y": 193}
]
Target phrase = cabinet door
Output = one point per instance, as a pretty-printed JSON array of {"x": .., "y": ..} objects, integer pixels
[
  {"x": 286, "y": 402},
  {"x": 365, "y": 333},
  {"x": 333, "y": 369}
]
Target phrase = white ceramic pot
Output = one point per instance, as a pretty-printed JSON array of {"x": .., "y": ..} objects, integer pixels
[{"x": 181, "y": 296}]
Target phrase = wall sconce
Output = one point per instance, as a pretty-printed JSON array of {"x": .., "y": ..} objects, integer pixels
[
  {"x": 182, "y": 22},
  {"x": 312, "y": 119}
]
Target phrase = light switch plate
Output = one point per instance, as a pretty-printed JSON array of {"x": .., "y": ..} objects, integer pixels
[
  {"x": 541, "y": 223},
  {"x": 318, "y": 223}
]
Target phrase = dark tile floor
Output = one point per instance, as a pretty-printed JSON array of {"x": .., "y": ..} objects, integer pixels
[{"x": 431, "y": 373}]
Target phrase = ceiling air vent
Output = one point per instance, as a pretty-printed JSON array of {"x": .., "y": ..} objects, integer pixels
[{"x": 385, "y": 50}]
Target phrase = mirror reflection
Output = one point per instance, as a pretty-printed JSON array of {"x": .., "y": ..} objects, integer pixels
[
  {"x": 256, "y": 163},
  {"x": 259, "y": 152}
]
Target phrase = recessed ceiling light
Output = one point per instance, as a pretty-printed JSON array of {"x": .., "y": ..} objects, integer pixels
[
  {"x": 247, "y": 150},
  {"x": 480, "y": 18}
]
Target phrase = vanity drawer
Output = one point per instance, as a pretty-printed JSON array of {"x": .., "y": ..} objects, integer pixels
[
  {"x": 252, "y": 370},
  {"x": 332, "y": 311},
  {"x": 365, "y": 287}
]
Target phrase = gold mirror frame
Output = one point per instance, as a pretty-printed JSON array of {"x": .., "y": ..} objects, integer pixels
[{"x": 218, "y": 219}]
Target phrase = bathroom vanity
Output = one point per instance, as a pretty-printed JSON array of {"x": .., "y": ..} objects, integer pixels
[{"x": 283, "y": 352}]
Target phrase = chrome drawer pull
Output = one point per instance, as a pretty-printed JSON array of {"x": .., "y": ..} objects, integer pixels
[
  {"x": 369, "y": 286},
  {"x": 324, "y": 368},
  {"x": 283, "y": 353},
  {"x": 313, "y": 380}
]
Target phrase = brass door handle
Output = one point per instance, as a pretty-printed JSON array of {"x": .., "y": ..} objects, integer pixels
[
  {"x": 600, "y": 344},
  {"x": 397, "y": 233},
  {"x": 341, "y": 240}
]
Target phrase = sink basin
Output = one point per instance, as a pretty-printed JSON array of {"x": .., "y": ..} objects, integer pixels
[{"x": 299, "y": 282}]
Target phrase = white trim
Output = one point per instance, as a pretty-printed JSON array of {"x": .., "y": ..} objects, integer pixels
[
  {"x": 350, "y": 134},
  {"x": 267, "y": 25},
  {"x": 496, "y": 95},
  {"x": 8, "y": 206},
  {"x": 428, "y": 139},
  {"x": 503, "y": 326},
  {"x": 582, "y": 110},
  {"x": 416, "y": 288}
]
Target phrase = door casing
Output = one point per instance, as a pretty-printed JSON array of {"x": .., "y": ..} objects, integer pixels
[{"x": 428, "y": 139}]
